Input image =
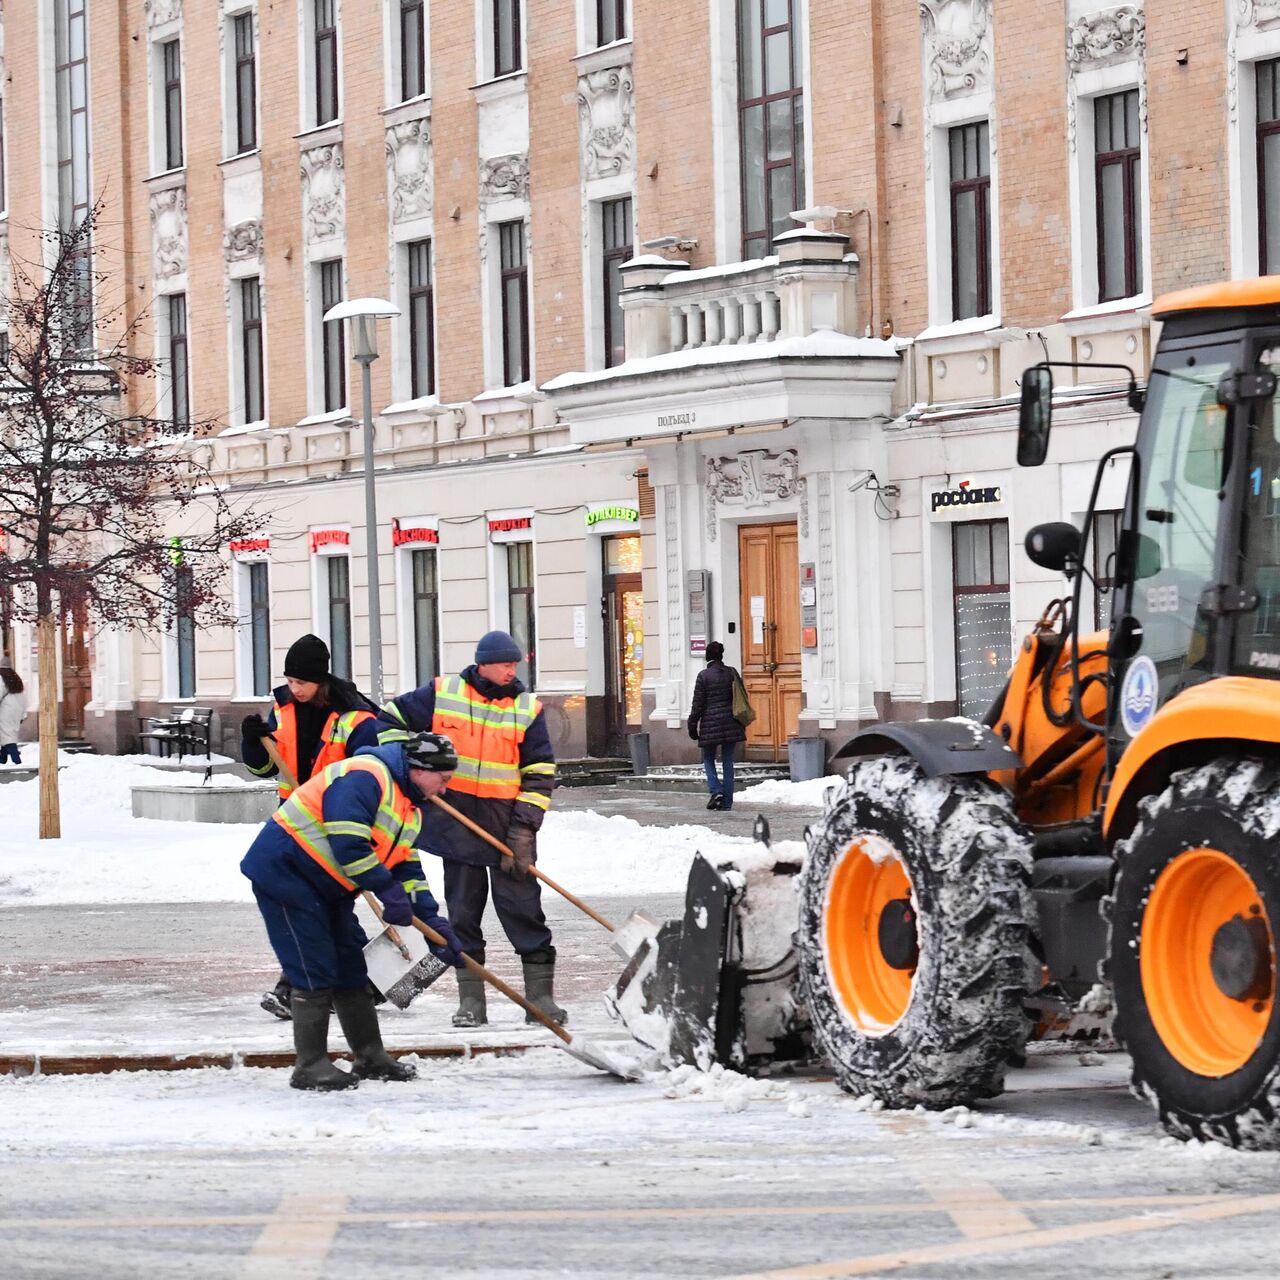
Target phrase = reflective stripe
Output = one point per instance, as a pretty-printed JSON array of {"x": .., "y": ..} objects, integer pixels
[
  {"x": 538, "y": 767},
  {"x": 266, "y": 768},
  {"x": 413, "y": 886},
  {"x": 361, "y": 830},
  {"x": 360, "y": 865},
  {"x": 535, "y": 798}
]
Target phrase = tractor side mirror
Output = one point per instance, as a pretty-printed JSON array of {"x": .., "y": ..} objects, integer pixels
[
  {"x": 1055, "y": 545},
  {"x": 1035, "y": 412}
]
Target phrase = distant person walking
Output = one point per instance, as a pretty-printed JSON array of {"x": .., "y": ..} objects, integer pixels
[
  {"x": 13, "y": 708},
  {"x": 712, "y": 724}
]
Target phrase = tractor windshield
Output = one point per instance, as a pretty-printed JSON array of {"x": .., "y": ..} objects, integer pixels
[
  {"x": 1179, "y": 509},
  {"x": 1256, "y": 650}
]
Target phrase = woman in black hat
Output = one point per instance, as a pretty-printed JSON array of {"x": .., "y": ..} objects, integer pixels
[{"x": 712, "y": 725}]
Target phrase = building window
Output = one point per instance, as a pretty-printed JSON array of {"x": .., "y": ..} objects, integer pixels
[
  {"x": 338, "y": 579},
  {"x": 333, "y": 340},
  {"x": 413, "y": 62},
  {"x": 179, "y": 373},
  {"x": 4, "y": 204},
  {"x": 1106, "y": 536},
  {"x": 770, "y": 119},
  {"x": 970, "y": 146},
  {"x": 515, "y": 304},
  {"x": 246, "y": 83},
  {"x": 171, "y": 65},
  {"x": 1118, "y": 179},
  {"x": 422, "y": 335},
  {"x": 520, "y": 607},
  {"x": 616, "y": 219},
  {"x": 426, "y": 626},
  {"x": 980, "y": 552},
  {"x": 611, "y": 21},
  {"x": 506, "y": 37},
  {"x": 251, "y": 387},
  {"x": 185, "y": 630},
  {"x": 1268, "y": 142},
  {"x": 326, "y": 55},
  {"x": 257, "y": 586},
  {"x": 71, "y": 79}
]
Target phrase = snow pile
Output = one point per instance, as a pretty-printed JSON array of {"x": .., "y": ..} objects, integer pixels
[
  {"x": 734, "y": 1091},
  {"x": 801, "y": 795}
]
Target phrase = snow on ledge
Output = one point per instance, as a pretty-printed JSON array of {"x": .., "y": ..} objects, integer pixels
[{"x": 822, "y": 344}]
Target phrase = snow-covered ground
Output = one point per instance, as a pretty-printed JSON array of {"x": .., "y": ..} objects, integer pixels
[
  {"x": 809, "y": 794},
  {"x": 108, "y": 856}
]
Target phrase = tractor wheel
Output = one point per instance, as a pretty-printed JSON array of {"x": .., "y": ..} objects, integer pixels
[
  {"x": 915, "y": 935},
  {"x": 1193, "y": 955}
]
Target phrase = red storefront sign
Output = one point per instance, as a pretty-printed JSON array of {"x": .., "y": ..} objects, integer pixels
[
  {"x": 508, "y": 526},
  {"x": 240, "y": 546},
  {"x": 402, "y": 537},
  {"x": 329, "y": 538}
]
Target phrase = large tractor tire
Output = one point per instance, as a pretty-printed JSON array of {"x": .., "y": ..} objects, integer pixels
[
  {"x": 1193, "y": 956},
  {"x": 915, "y": 937}
]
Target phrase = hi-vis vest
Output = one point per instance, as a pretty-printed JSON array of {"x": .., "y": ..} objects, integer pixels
[
  {"x": 487, "y": 737},
  {"x": 391, "y": 837},
  {"x": 333, "y": 740}
]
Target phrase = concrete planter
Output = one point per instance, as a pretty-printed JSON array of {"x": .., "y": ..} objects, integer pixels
[{"x": 205, "y": 804}]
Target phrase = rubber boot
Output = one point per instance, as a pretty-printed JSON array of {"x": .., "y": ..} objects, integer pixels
[
  {"x": 311, "y": 1043},
  {"x": 472, "y": 1011},
  {"x": 539, "y": 986},
  {"x": 359, "y": 1021},
  {"x": 276, "y": 1001}
]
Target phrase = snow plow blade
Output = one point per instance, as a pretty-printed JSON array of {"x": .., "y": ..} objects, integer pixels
[{"x": 718, "y": 985}]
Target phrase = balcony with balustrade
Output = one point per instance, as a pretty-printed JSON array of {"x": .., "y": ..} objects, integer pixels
[{"x": 768, "y": 341}]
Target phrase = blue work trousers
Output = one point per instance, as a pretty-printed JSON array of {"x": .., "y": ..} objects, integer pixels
[{"x": 517, "y": 902}]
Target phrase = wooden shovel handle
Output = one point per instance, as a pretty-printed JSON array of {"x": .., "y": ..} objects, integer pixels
[
  {"x": 273, "y": 754},
  {"x": 392, "y": 932},
  {"x": 476, "y": 829}
]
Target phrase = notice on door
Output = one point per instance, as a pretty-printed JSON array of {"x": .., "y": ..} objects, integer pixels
[
  {"x": 757, "y": 619},
  {"x": 579, "y": 626}
]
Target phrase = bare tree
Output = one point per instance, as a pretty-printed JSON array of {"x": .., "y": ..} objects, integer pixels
[{"x": 106, "y": 506}]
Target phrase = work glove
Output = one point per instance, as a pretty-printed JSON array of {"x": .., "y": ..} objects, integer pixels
[
  {"x": 523, "y": 843},
  {"x": 396, "y": 909},
  {"x": 451, "y": 952},
  {"x": 254, "y": 728}
]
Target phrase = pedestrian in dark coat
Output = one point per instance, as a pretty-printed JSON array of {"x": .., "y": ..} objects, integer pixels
[{"x": 712, "y": 726}]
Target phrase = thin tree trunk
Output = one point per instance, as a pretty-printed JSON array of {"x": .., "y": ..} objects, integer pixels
[{"x": 47, "y": 648}]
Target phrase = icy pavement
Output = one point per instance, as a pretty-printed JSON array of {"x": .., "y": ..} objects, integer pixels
[{"x": 536, "y": 1166}]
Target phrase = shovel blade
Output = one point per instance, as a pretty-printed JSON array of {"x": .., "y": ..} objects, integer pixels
[
  {"x": 611, "y": 1061},
  {"x": 628, "y": 936},
  {"x": 401, "y": 980}
]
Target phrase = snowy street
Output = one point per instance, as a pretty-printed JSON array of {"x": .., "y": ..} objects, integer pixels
[{"x": 132, "y": 937}]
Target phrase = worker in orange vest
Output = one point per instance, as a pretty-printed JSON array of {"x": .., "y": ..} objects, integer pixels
[{"x": 316, "y": 720}]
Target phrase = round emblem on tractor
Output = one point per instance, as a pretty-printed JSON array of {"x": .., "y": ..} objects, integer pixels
[{"x": 1138, "y": 695}]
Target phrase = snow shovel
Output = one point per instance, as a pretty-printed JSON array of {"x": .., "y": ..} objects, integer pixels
[
  {"x": 627, "y": 937},
  {"x": 402, "y": 969}
]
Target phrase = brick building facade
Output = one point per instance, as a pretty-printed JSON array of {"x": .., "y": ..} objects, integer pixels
[{"x": 631, "y": 402}]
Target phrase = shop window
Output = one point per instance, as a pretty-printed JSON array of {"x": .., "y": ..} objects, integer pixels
[
  {"x": 258, "y": 591},
  {"x": 1118, "y": 179},
  {"x": 980, "y": 551},
  {"x": 426, "y": 616},
  {"x": 520, "y": 607},
  {"x": 337, "y": 577},
  {"x": 770, "y": 119},
  {"x": 970, "y": 150}
]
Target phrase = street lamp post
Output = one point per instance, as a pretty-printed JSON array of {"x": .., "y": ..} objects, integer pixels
[{"x": 364, "y": 314}]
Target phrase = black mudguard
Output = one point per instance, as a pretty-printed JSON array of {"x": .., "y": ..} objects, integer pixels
[{"x": 940, "y": 747}]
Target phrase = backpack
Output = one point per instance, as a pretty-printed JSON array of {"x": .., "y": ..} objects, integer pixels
[{"x": 743, "y": 712}]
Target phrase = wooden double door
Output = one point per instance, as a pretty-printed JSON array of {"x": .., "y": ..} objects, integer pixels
[
  {"x": 769, "y": 617},
  {"x": 77, "y": 671}
]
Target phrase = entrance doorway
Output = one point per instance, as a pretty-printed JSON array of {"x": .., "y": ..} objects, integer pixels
[
  {"x": 623, "y": 608},
  {"x": 77, "y": 678},
  {"x": 769, "y": 614}
]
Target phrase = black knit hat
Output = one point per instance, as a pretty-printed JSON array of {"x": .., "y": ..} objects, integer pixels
[{"x": 307, "y": 659}]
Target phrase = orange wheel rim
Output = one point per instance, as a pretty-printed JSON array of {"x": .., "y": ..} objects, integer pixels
[
  {"x": 868, "y": 876},
  {"x": 1206, "y": 1031}
]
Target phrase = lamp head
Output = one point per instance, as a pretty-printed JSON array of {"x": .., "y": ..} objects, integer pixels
[{"x": 363, "y": 314}]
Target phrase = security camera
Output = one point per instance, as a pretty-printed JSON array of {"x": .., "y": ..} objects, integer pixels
[{"x": 861, "y": 479}]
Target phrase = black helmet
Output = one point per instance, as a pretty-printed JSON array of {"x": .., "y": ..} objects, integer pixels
[{"x": 430, "y": 751}]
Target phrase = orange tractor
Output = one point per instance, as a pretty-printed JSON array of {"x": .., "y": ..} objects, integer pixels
[{"x": 1103, "y": 848}]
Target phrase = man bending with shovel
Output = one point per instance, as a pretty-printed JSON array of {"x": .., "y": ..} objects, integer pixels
[
  {"x": 506, "y": 772},
  {"x": 350, "y": 828}
]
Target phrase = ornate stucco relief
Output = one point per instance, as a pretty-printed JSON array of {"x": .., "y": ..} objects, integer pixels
[
  {"x": 323, "y": 193},
  {"x": 1245, "y": 16},
  {"x": 169, "y": 232},
  {"x": 754, "y": 478},
  {"x": 504, "y": 178},
  {"x": 408, "y": 147},
  {"x": 161, "y": 11},
  {"x": 606, "y": 124},
  {"x": 243, "y": 241},
  {"x": 1110, "y": 35},
  {"x": 958, "y": 46}
]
